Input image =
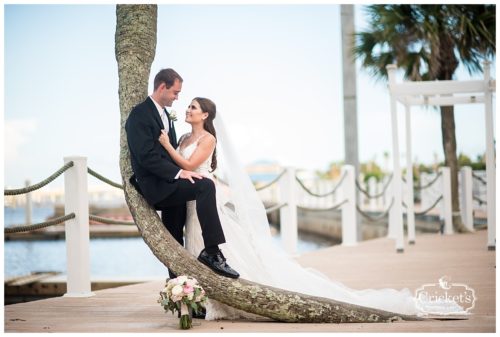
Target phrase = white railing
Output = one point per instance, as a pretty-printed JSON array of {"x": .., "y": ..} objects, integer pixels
[
  {"x": 328, "y": 195},
  {"x": 299, "y": 191}
]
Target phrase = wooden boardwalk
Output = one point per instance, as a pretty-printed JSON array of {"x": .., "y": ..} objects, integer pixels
[{"x": 374, "y": 264}]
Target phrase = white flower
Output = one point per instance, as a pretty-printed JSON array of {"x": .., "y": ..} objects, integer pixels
[
  {"x": 191, "y": 282},
  {"x": 181, "y": 279},
  {"x": 176, "y": 298},
  {"x": 172, "y": 115},
  {"x": 177, "y": 290}
]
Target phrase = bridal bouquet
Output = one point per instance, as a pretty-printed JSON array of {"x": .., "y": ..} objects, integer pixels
[{"x": 183, "y": 294}]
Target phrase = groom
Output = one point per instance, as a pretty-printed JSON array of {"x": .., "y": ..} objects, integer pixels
[{"x": 164, "y": 185}]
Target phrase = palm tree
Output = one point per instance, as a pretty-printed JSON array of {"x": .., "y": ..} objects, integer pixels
[
  {"x": 135, "y": 44},
  {"x": 429, "y": 42}
]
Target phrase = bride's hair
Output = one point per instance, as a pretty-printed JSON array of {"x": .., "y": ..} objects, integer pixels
[{"x": 208, "y": 106}]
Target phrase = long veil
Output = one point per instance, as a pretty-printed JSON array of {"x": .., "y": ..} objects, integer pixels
[{"x": 271, "y": 266}]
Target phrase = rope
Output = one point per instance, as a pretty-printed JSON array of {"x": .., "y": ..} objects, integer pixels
[
  {"x": 275, "y": 207},
  {"x": 432, "y": 206},
  {"x": 109, "y": 221},
  {"x": 333, "y": 208},
  {"x": 321, "y": 195},
  {"x": 27, "y": 228},
  {"x": 41, "y": 184},
  {"x": 479, "y": 178},
  {"x": 378, "y": 217},
  {"x": 103, "y": 179},
  {"x": 481, "y": 201},
  {"x": 365, "y": 192},
  {"x": 415, "y": 186},
  {"x": 272, "y": 182},
  {"x": 429, "y": 183}
]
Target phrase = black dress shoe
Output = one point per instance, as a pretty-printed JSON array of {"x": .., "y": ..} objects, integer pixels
[
  {"x": 217, "y": 262},
  {"x": 201, "y": 313}
]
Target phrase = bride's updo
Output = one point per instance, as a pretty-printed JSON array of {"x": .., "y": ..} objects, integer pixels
[{"x": 208, "y": 106}]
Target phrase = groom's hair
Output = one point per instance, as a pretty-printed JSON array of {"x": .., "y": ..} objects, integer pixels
[{"x": 167, "y": 76}]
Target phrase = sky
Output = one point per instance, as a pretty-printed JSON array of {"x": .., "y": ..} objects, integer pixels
[{"x": 274, "y": 72}]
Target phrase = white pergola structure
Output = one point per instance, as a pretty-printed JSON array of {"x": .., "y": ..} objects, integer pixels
[{"x": 438, "y": 93}]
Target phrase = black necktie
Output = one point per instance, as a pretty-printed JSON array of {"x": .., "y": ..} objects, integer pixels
[{"x": 171, "y": 133}]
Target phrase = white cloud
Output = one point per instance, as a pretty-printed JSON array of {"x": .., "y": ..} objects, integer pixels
[{"x": 17, "y": 133}]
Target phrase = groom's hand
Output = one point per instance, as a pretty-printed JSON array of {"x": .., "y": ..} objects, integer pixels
[{"x": 189, "y": 175}]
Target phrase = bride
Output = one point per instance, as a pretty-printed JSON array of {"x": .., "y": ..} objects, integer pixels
[{"x": 249, "y": 247}]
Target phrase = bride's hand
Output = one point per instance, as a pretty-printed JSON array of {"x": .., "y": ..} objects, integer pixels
[{"x": 164, "y": 139}]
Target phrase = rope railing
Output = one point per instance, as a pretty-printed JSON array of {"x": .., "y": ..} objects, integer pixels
[
  {"x": 41, "y": 184},
  {"x": 28, "y": 228},
  {"x": 369, "y": 196},
  {"x": 260, "y": 188},
  {"x": 475, "y": 176},
  {"x": 377, "y": 217},
  {"x": 333, "y": 208},
  {"x": 431, "y": 207},
  {"x": 325, "y": 194},
  {"x": 103, "y": 179},
  {"x": 109, "y": 221},
  {"x": 276, "y": 207},
  {"x": 481, "y": 201},
  {"x": 429, "y": 183}
]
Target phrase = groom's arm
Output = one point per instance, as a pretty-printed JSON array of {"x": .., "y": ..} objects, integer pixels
[{"x": 141, "y": 142}]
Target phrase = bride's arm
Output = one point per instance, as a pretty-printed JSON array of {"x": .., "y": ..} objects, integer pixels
[{"x": 204, "y": 149}]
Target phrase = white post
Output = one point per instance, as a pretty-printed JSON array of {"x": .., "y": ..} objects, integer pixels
[
  {"x": 77, "y": 229},
  {"x": 380, "y": 188},
  {"x": 396, "y": 183},
  {"x": 410, "y": 207},
  {"x": 446, "y": 203},
  {"x": 361, "y": 196},
  {"x": 490, "y": 161},
  {"x": 349, "y": 221},
  {"x": 288, "y": 214},
  {"x": 391, "y": 231},
  {"x": 29, "y": 206},
  {"x": 467, "y": 203},
  {"x": 372, "y": 185}
]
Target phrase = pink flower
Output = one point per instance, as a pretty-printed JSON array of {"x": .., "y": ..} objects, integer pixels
[{"x": 188, "y": 289}]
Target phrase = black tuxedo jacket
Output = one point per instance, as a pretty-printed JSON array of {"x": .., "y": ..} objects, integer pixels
[{"x": 154, "y": 169}]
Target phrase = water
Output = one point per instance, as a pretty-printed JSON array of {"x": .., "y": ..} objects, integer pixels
[
  {"x": 263, "y": 177},
  {"x": 109, "y": 257},
  {"x": 16, "y": 215}
]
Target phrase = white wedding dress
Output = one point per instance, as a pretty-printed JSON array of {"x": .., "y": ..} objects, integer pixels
[{"x": 250, "y": 251}]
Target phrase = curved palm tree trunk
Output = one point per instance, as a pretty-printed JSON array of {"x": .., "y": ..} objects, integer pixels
[{"x": 135, "y": 42}]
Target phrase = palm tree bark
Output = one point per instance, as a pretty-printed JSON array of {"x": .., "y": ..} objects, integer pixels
[
  {"x": 135, "y": 42},
  {"x": 448, "y": 65},
  {"x": 450, "y": 155}
]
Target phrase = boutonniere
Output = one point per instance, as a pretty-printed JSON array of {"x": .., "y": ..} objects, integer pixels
[{"x": 172, "y": 115}]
